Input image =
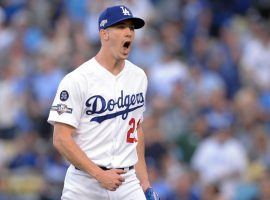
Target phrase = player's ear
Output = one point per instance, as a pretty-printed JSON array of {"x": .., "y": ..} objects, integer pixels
[{"x": 104, "y": 34}]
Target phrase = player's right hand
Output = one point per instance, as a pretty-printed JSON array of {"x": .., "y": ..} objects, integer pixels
[{"x": 111, "y": 179}]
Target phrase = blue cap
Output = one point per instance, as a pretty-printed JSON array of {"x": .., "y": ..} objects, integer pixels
[{"x": 115, "y": 14}]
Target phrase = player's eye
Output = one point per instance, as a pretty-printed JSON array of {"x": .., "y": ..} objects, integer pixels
[{"x": 132, "y": 27}]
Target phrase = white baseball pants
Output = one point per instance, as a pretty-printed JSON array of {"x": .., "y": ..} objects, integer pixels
[{"x": 80, "y": 186}]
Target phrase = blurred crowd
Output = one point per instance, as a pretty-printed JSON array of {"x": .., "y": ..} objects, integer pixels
[{"x": 207, "y": 124}]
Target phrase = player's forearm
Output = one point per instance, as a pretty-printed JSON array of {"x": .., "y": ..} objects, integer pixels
[
  {"x": 142, "y": 175},
  {"x": 141, "y": 168},
  {"x": 70, "y": 150}
]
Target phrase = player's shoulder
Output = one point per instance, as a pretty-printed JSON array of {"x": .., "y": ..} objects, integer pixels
[
  {"x": 81, "y": 72},
  {"x": 134, "y": 68},
  {"x": 85, "y": 68}
]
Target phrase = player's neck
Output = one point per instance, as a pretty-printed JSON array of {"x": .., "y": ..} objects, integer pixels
[{"x": 107, "y": 61}]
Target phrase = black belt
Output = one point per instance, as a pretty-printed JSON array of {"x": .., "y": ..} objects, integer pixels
[{"x": 105, "y": 168}]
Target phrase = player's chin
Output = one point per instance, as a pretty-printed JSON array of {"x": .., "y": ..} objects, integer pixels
[
  {"x": 124, "y": 53},
  {"x": 124, "y": 56}
]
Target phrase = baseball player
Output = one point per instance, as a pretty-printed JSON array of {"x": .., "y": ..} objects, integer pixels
[{"x": 97, "y": 115}]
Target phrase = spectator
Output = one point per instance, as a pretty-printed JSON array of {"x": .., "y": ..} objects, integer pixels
[{"x": 221, "y": 159}]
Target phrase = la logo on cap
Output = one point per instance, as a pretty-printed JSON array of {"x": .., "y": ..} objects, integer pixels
[{"x": 124, "y": 10}]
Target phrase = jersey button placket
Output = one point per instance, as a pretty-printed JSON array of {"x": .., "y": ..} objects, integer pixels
[{"x": 114, "y": 136}]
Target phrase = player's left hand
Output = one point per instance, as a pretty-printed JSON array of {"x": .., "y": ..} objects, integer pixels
[{"x": 150, "y": 194}]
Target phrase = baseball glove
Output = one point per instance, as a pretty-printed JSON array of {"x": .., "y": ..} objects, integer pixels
[{"x": 150, "y": 194}]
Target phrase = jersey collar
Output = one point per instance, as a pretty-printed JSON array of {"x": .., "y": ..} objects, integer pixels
[{"x": 107, "y": 72}]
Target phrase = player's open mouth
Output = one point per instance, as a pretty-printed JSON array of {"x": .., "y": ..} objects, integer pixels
[{"x": 127, "y": 44}]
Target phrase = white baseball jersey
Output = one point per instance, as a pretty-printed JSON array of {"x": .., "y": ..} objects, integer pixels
[{"x": 105, "y": 110}]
